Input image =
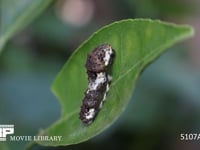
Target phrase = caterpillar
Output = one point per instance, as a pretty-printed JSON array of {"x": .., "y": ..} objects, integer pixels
[{"x": 98, "y": 66}]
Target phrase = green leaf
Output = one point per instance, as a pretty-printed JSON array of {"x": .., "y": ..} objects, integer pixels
[
  {"x": 137, "y": 43},
  {"x": 16, "y": 14}
]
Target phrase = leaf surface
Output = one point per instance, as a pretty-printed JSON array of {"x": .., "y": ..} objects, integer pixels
[{"x": 137, "y": 43}]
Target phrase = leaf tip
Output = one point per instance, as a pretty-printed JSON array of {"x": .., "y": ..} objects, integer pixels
[{"x": 191, "y": 31}]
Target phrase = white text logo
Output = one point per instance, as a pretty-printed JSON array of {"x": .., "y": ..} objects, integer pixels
[{"x": 5, "y": 130}]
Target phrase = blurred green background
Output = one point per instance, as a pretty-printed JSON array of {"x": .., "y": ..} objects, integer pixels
[{"x": 166, "y": 101}]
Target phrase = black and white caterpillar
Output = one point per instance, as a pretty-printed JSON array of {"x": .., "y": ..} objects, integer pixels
[{"x": 98, "y": 66}]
